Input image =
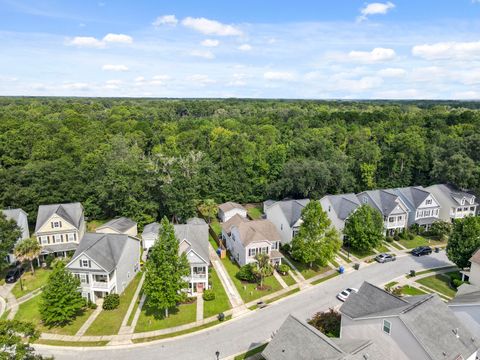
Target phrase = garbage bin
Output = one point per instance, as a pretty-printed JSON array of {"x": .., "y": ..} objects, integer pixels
[
  {"x": 221, "y": 317},
  {"x": 412, "y": 273},
  {"x": 341, "y": 269},
  {"x": 356, "y": 266},
  {"x": 219, "y": 251},
  {"x": 437, "y": 249}
]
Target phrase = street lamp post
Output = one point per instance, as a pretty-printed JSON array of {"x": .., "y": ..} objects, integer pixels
[{"x": 217, "y": 354}]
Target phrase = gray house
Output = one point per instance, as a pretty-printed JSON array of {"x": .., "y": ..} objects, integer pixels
[
  {"x": 121, "y": 225},
  {"x": 424, "y": 208},
  {"x": 286, "y": 216},
  {"x": 105, "y": 263},
  {"x": 21, "y": 219},
  {"x": 339, "y": 208},
  {"x": 454, "y": 203},
  {"x": 150, "y": 235},
  {"x": 413, "y": 327}
]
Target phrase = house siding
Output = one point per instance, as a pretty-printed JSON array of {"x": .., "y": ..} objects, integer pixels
[
  {"x": 474, "y": 275},
  {"x": 275, "y": 214},
  {"x": 148, "y": 240},
  {"x": 227, "y": 215},
  {"x": 128, "y": 263}
]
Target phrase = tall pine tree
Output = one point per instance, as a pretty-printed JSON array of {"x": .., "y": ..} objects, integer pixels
[{"x": 165, "y": 271}]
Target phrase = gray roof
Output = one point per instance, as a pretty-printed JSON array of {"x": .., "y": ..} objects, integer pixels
[
  {"x": 53, "y": 248},
  {"x": 230, "y": 205},
  {"x": 12, "y": 214},
  {"x": 384, "y": 200},
  {"x": 475, "y": 257},
  {"x": 104, "y": 249},
  {"x": 195, "y": 231},
  {"x": 413, "y": 196},
  {"x": 72, "y": 212},
  {"x": 449, "y": 195},
  {"x": 466, "y": 295},
  {"x": 152, "y": 228},
  {"x": 298, "y": 340},
  {"x": 343, "y": 204},
  {"x": 426, "y": 317},
  {"x": 292, "y": 209},
  {"x": 121, "y": 224}
]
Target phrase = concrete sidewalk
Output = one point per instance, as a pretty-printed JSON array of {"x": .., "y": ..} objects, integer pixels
[{"x": 91, "y": 319}]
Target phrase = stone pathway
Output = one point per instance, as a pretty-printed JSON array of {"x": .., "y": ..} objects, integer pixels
[
  {"x": 91, "y": 319},
  {"x": 137, "y": 314},
  {"x": 125, "y": 328},
  {"x": 199, "y": 307},
  {"x": 299, "y": 274},
  {"x": 279, "y": 279}
]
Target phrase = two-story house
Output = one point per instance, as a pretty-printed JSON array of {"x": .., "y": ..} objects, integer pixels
[
  {"x": 454, "y": 203},
  {"x": 247, "y": 238},
  {"x": 229, "y": 209},
  {"x": 286, "y": 215},
  {"x": 150, "y": 235},
  {"x": 390, "y": 205},
  {"x": 424, "y": 209},
  {"x": 105, "y": 264},
  {"x": 21, "y": 219},
  {"x": 59, "y": 228},
  {"x": 121, "y": 225},
  {"x": 339, "y": 208}
]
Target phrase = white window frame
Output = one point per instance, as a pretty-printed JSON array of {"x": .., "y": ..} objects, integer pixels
[
  {"x": 428, "y": 202},
  {"x": 83, "y": 262},
  {"x": 70, "y": 237},
  {"x": 389, "y": 332}
]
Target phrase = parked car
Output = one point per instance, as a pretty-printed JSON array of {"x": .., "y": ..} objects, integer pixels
[
  {"x": 422, "y": 250},
  {"x": 344, "y": 294},
  {"x": 13, "y": 275},
  {"x": 383, "y": 258}
]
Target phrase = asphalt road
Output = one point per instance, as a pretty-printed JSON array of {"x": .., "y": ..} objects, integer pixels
[{"x": 247, "y": 331}]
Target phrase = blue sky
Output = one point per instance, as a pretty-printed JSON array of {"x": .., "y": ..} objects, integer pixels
[{"x": 428, "y": 49}]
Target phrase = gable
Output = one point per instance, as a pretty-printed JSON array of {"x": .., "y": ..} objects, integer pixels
[
  {"x": 47, "y": 226},
  {"x": 431, "y": 199},
  {"x": 194, "y": 258},
  {"x": 77, "y": 263}
]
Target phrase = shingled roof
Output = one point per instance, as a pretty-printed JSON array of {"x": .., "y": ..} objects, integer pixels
[
  {"x": 343, "y": 204},
  {"x": 291, "y": 209},
  {"x": 72, "y": 212},
  {"x": 257, "y": 230},
  {"x": 230, "y": 205},
  {"x": 195, "y": 232},
  {"x": 475, "y": 257},
  {"x": 121, "y": 224}
]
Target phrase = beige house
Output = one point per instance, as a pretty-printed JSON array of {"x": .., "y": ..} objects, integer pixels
[
  {"x": 59, "y": 228},
  {"x": 229, "y": 209},
  {"x": 121, "y": 225}
]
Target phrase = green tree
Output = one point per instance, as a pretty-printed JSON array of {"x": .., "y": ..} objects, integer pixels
[
  {"x": 441, "y": 230},
  {"x": 464, "y": 241},
  {"x": 15, "y": 339},
  {"x": 27, "y": 250},
  {"x": 165, "y": 271},
  {"x": 364, "y": 228},
  {"x": 61, "y": 299},
  {"x": 209, "y": 209},
  {"x": 317, "y": 241},
  {"x": 262, "y": 268},
  {"x": 327, "y": 322},
  {"x": 9, "y": 234}
]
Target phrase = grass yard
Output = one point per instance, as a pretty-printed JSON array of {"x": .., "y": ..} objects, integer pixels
[
  {"x": 254, "y": 212},
  {"x": 336, "y": 273},
  {"x": 440, "y": 283},
  {"x": 5, "y": 315},
  {"x": 360, "y": 254},
  {"x": 307, "y": 271},
  {"x": 421, "y": 241},
  {"x": 152, "y": 319},
  {"x": 108, "y": 322},
  {"x": 29, "y": 311},
  {"x": 221, "y": 303},
  {"x": 251, "y": 352},
  {"x": 31, "y": 282},
  {"x": 382, "y": 248},
  {"x": 213, "y": 242},
  {"x": 396, "y": 246},
  {"x": 412, "y": 291},
  {"x": 216, "y": 227},
  {"x": 94, "y": 224},
  {"x": 135, "y": 307},
  {"x": 391, "y": 284},
  {"x": 248, "y": 291},
  {"x": 288, "y": 279},
  {"x": 71, "y": 343},
  {"x": 344, "y": 257},
  {"x": 436, "y": 269}
]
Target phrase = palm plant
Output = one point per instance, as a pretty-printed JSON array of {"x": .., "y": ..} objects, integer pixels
[
  {"x": 264, "y": 267},
  {"x": 28, "y": 250}
]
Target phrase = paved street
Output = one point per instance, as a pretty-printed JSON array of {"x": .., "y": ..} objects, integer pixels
[{"x": 239, "y": 334}]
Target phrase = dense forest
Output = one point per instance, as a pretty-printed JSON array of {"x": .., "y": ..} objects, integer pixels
[{"x": 147, "y": 158}]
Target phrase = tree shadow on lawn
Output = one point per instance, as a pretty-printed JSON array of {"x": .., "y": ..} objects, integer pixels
[{"x": 159, "y": 314}]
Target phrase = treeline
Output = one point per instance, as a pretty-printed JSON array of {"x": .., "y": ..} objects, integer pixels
[{"x": 147, "y": 158}]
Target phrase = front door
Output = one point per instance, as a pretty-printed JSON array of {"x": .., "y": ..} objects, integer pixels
[{"x": 200, "y": 287}]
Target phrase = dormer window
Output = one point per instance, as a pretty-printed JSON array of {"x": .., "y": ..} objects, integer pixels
[
  {"x": 463, "y": 201},
  {"x": 56, "y": 224},
  {"x": 472, "y": 200},
  {"x": 365, "y": 200}
]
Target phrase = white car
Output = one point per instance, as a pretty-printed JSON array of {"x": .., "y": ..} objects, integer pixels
[{"x": 344, "y": 294}]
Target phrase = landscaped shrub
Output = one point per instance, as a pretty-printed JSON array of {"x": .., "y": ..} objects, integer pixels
[
  {"x": 246, "y": 273},
  {"x": 411, "y": 235},
  {"x": 389, "y": 239},
  {"x": 208, "y": 295},
  {"x": 286, "y": 248},
  {"x": 283, "y": 269},
  {"x": 49, "y": 259},
  {"x": 111, "y": 302},
  {"x": 327, "y": 322},
  {"x": 456, "y": 283},
  {"x": 90, "y": 304}
]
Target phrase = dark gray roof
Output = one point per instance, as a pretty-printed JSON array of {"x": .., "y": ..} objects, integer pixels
[
  {"x": 292, "y": 209},
  {"x": 73, "y": 213},
  {"x": 120, "y": 224},
  {"x": 104, "y": 249},
  {"x": 343, "y": 204},
  {"x": 450, "y": 194},
  {"x": 427, "y": 317},
  {"x": 296, "y": 340},
  {"x": 475, "y": 257},
  {"x": 467, "y": 295},
  {"x": 384, "y": 200},
  {"x": 152, "y": 228},
  {"x": 12, "y": 214},
  {"x": 426, "y": 221},
  {"x": 195, "y": 231},
  {"x": 53, "y": 248},
  {"x": 414, "y": 196}
]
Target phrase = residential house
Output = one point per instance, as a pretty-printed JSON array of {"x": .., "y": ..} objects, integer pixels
[
  {"x": 390, "y": 205},
  {"x": 455, "y": 204},
  {"x": 286, "y": 215},
  {"x": 414, "y": 327},
  {"x": 229, "y": 209},
  {"x": 339, "y": 208},
  {"x": 21, "y": 219},
  {"x": 121, "y": 225},
  {"x": 247, "y": 238},
  {"x": 59, "y": 228},
  {"x": 424, "y": 209},
  {"x": 150, "y": 235},
  {"x": 105, "y": 264},
  {"x": 193, "y": 241},
  {"x": 297, "y": 340}
]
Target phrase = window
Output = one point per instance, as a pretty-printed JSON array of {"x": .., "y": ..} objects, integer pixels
[
  {"x": 57, "y": 239},
  {"x": 465, "y": 208},
  {"x": 365, "y": 200},
  {"x": 84, "y": 278},
  {"x": 387, "y": 327},
  {"x": 472, "y": 208},
  {"x": 463, "y": 201},
  {"x": 426, "y": 213},
  {"x": 281, "y": 227},
  {"x": 391, "y": 219},
  {"x": 472, "y": 200},
  {"x": 428, "y": 202},
  {"x": 84, "y": 263},
  {"x": 329, "y": 208},
  {"x": 71, "y": 237},
  {"x": 399, "y": 218},
  {"x": 44, "y": 240},
  {"x": 459, "y": 209}
]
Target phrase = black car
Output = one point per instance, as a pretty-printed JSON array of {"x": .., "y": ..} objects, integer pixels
[
  {"x": 13, "y": 275},
  {"x": 383, "y": 258},
  {"x": 422, "y": 250}
]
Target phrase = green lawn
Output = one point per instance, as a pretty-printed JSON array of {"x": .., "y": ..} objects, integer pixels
[
  {"x": 360, "y": 254},
  {"x": 396, "y": 246},
  {"x": 421, "y": 241},
  {"x": 254, "y": 212},
  {"x": 412, "y": 291},
  {"x": 391, "y": 284},
  {"x": 213, "y": 242},
  {"x": 307, "y": 271},
  {"x": 153, "y": 319},
  {"x": 248, "y": 291},
  {"x": 440, "y": 283},
  {"x": 382, "y": 248},
  {"x": 94, "y": 224},
  {"x": 336, "y": 273},
  {"x": 71, "y": 343},
  {"x": 251, "y": 352},
  {"x": 221, "y": 303},
  {"x": 29, "y": 311},
  {"x": 109, "y": 321},
  {"x": 436, "y": 269},
  {"x": 345, "y": 258},
  {"x": 31, "y": 282},
  {"x": 5, "y": 315},
  {"x": 135, "y": 307},
  {"x": 288, "y": 279},
  {"x": 216, "y": 227}
]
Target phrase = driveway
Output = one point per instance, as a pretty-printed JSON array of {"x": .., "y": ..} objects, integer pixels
[{"x": 247, "y": 331}]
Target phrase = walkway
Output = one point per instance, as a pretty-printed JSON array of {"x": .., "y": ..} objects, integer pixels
[
  {"x": 199, "y": 307},
  {"x": 9, "y": 301},
  {"x": 279, "y": 279},
  {"x": 125, "y": 328},
  {"x": 91, "y": 319}
]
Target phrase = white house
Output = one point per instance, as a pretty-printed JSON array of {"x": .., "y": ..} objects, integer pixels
[
  {"x": 339, "y": 208},
  {"x": 286, "y": 215},
  {"x": 150, "y": 235},
  {"x": 121, "y": 225},
  {"x": 21, "y": 219},
  {"x": 247, "y": 238},
  {"x": 105, "y": 264},
  {"x": 59, "y": 228},
  {"x": 424, "y": 208},
  {"x": 229, "y": 209},
  {"x": 454, "y": 203}
]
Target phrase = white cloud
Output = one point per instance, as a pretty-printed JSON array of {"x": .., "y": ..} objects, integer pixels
[
  {"x": 400, "y": 94},
  {"x": 447, "y": 50},
  {"x": 76, "y": 86},
  {"x": 86, "y": 41},
  {"x": 210, "y": 43},
  {"x": 139, "y": 79},
  {"x": 279, "y": 76},
  {"x": 206, "y": 54},
  {"x": 238, "y": 80},
  {"x": 165, "y": 20},
  {"x": 375, "y": 9},
  {"x": 429, "y": 73},
  {"x": 118, "y": 38},
  {"x": 467, "y": 95},
  {"x": 376, "y": 55},
  {"x": 392, "y": 72},
  {"x": 111, "y": 67},
  {"x": 355, "y": 85},
  {"x": 113, "y": 82},
  {"x": 211, "y": 27},
  {"x": 245, "y": 47},
  {"x": 161, "y": 77},
  {"x": 200, "y": 79}
]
